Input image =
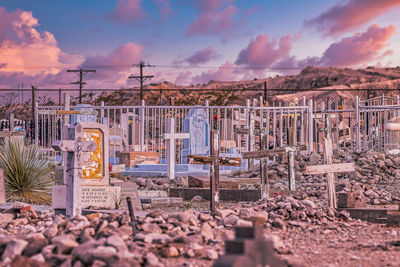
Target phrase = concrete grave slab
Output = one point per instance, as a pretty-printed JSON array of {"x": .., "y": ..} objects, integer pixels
[
  {"x": 204, "y": 182},
  {"x": 224, "y": 194},
  {"x": 351, "y": 200},
  {"x": 129, "y": 189},
  {"x": 117, "y": 168},
  {"x": 132, "y": 158}
]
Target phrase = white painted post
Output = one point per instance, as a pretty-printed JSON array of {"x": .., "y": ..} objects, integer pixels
[
  {"x": 291, "y": 168},
  {"x": 358, "y": 128},
  {"x": 36, "y": 124},
  {"x": 11, "y": 123},
  {"x": 171, "y": 147},
  {"x": 247, "y": 114},
  {"x": 66, "y": 107},
  {"x": 170, "y": 138},
  {"x": 251, "y": 135},
  {"x": 310, "y": 126},
  {"x": 142, "y": 118},
  {"x": 101, "y": 112}
]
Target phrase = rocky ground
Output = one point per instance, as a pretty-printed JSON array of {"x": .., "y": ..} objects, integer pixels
[{"x": 303, "y": 231}]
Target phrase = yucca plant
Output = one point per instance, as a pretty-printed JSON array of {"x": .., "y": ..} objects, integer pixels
[{"x": 28, "y": 176}]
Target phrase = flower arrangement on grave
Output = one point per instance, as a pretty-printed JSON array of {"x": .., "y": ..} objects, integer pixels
[{"x": 28, "y": 176}]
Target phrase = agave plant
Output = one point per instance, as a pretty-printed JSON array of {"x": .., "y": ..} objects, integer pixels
[{"x": 28, "y": 176}]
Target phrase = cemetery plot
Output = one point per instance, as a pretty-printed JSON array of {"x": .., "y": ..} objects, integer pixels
[
  {"x": 329, "y": 170},
  {"x": 215, "y": 161}
]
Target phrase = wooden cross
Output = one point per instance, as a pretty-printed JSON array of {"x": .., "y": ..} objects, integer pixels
[
  {"x": 264, "y": 154},
  {"x": 329, "y": 170},
  {"x": 214, "y": 161},
  {"x": 74, "y": 147},
  {"x": 170, "y": 138}
]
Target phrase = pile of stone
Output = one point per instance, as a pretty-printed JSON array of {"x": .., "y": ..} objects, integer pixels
[
  {"x": 377, "y": 176},
  {"x": 150, "y": 183},
  {"x": 107, "y": 239}
]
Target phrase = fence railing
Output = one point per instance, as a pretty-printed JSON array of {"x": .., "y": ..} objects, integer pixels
[{"x": 360, "y": 125}]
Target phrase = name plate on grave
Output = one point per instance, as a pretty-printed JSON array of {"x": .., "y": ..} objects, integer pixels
[
  {"x": 92, "y": 162},
  {"x": 103, "y": 197},
  {"x": 129, "y": 189}
]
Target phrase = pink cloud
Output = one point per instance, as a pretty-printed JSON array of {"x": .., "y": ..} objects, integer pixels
[
  {"x": 28, "y": 53},
  {"x": 183, "y": 78},
  {"x": 34, "y": 57},
  {"x": 226, "y": 72},
  {"x": 126, "y": 11},
  {"x": 113, "y": 69},
  {"x": 263, "y": 52},
  {"x": 360, "y": 48},
  {"x": 211, "y": 5},
  {"x": 202, "y": 56},
  {"x": 350, "y": 14},
  {"x": 214, "y": 17}
]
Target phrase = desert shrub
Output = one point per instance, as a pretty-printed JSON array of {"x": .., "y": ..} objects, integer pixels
[{"x": 28, "y": 176}]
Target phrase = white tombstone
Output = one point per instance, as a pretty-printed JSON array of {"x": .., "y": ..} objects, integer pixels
[
  {"x": 171, "y": 136},
  {"x": 74, "y": 147},
  {"x": 94, "y": 176}
]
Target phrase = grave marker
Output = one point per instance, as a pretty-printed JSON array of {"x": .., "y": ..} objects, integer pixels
[
  {"x": 74, "y": 146},
  {"x": 171, "y": 136},
  {"x": 129, "y": 189},
  {"x": 94, "y": 174},
  {"x": 197, "y": 125},
  {"x": 215, "y": 161},
  {"x": 264, "y": 154},
  {"x": 250, "y": 248},
  {"x": 329, "y": 170}
]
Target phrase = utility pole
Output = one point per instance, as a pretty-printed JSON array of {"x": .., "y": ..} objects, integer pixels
[
  {"x": 80, "y": 82},
  {"x": 141, "y": 78}
]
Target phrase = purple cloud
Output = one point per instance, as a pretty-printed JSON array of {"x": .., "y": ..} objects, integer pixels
[
  {"x": 353, "y": 13},
  {"x": 202, "y": 56},
  {"x": 126, "y": 11}
]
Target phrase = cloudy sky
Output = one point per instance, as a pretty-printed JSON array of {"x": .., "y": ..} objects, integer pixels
[{"x": 190, "y": 41}]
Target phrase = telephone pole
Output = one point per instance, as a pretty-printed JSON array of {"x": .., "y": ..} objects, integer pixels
[
  {"x": 80, "y": 82},
  {"x": 141, "y": 78}
]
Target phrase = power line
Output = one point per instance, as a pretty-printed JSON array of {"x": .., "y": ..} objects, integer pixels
[
  {"x": 141, "y": 78},
  {"x": 80, "y": 82},
  {"x": 163, "y": 66}
]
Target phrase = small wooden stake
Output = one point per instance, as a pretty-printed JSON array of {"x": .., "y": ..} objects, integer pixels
[
  {"x": 291, "y": 169},
  {"x": 330, "y": 176},
  {"x": 131, "y": 215}
]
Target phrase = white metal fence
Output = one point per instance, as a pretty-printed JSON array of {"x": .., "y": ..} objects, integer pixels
[{"x": 359, "y": 126}]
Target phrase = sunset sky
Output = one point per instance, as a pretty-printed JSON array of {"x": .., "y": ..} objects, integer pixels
[{"x": 190, "y": 41}]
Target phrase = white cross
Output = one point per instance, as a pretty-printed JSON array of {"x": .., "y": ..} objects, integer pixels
[
  {"x": 74, "y": 149},
  {"x": 170, "y": 138}
]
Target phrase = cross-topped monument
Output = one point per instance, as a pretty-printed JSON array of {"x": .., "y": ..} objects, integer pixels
[
  {"x": 329, "y": 170},
  {"x": 215, "y": 161},
  {"x": 74, "y": 146},
  {"x": 171, "y": 136}
]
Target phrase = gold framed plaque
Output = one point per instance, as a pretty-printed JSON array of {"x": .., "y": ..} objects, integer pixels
[{"x": 93, "y": 162}]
